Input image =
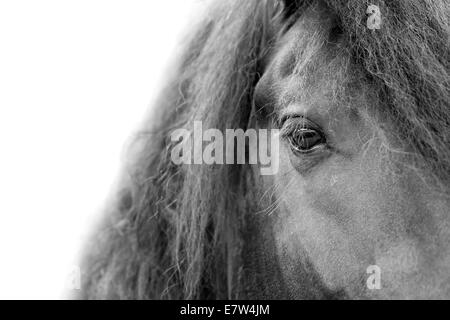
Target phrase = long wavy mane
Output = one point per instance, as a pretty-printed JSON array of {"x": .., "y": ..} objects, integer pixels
[{"x": 180, "y": 232}]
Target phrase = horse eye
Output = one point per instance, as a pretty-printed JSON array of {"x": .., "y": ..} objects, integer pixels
[
  {"x": 305, "y": 140},
  {"x": 303, "y": 137}
]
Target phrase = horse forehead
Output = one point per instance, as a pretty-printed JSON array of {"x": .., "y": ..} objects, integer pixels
[
  {"x": 296, "y": 77},
  {"x": 302, "y": 66}
]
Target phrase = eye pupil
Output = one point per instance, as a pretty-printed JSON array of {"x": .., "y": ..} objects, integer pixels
[
  {"x": 303, "y": 135},
  {"x": 305, "y": 139}
]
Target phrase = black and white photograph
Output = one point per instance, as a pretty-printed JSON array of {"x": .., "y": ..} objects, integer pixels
[{"x": 225, "y": 150}]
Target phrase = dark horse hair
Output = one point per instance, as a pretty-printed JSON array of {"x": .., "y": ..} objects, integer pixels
[{"x": 181, "y": 232}]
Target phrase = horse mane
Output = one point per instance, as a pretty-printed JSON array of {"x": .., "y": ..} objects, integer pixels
[{"x": 178, "y": 232}]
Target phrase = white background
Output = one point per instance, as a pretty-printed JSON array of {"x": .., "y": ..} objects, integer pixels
[{"x": 76, "y": 77}]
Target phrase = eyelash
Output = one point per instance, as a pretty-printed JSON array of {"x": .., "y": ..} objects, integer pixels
[{"x": 302, "y": 126}]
